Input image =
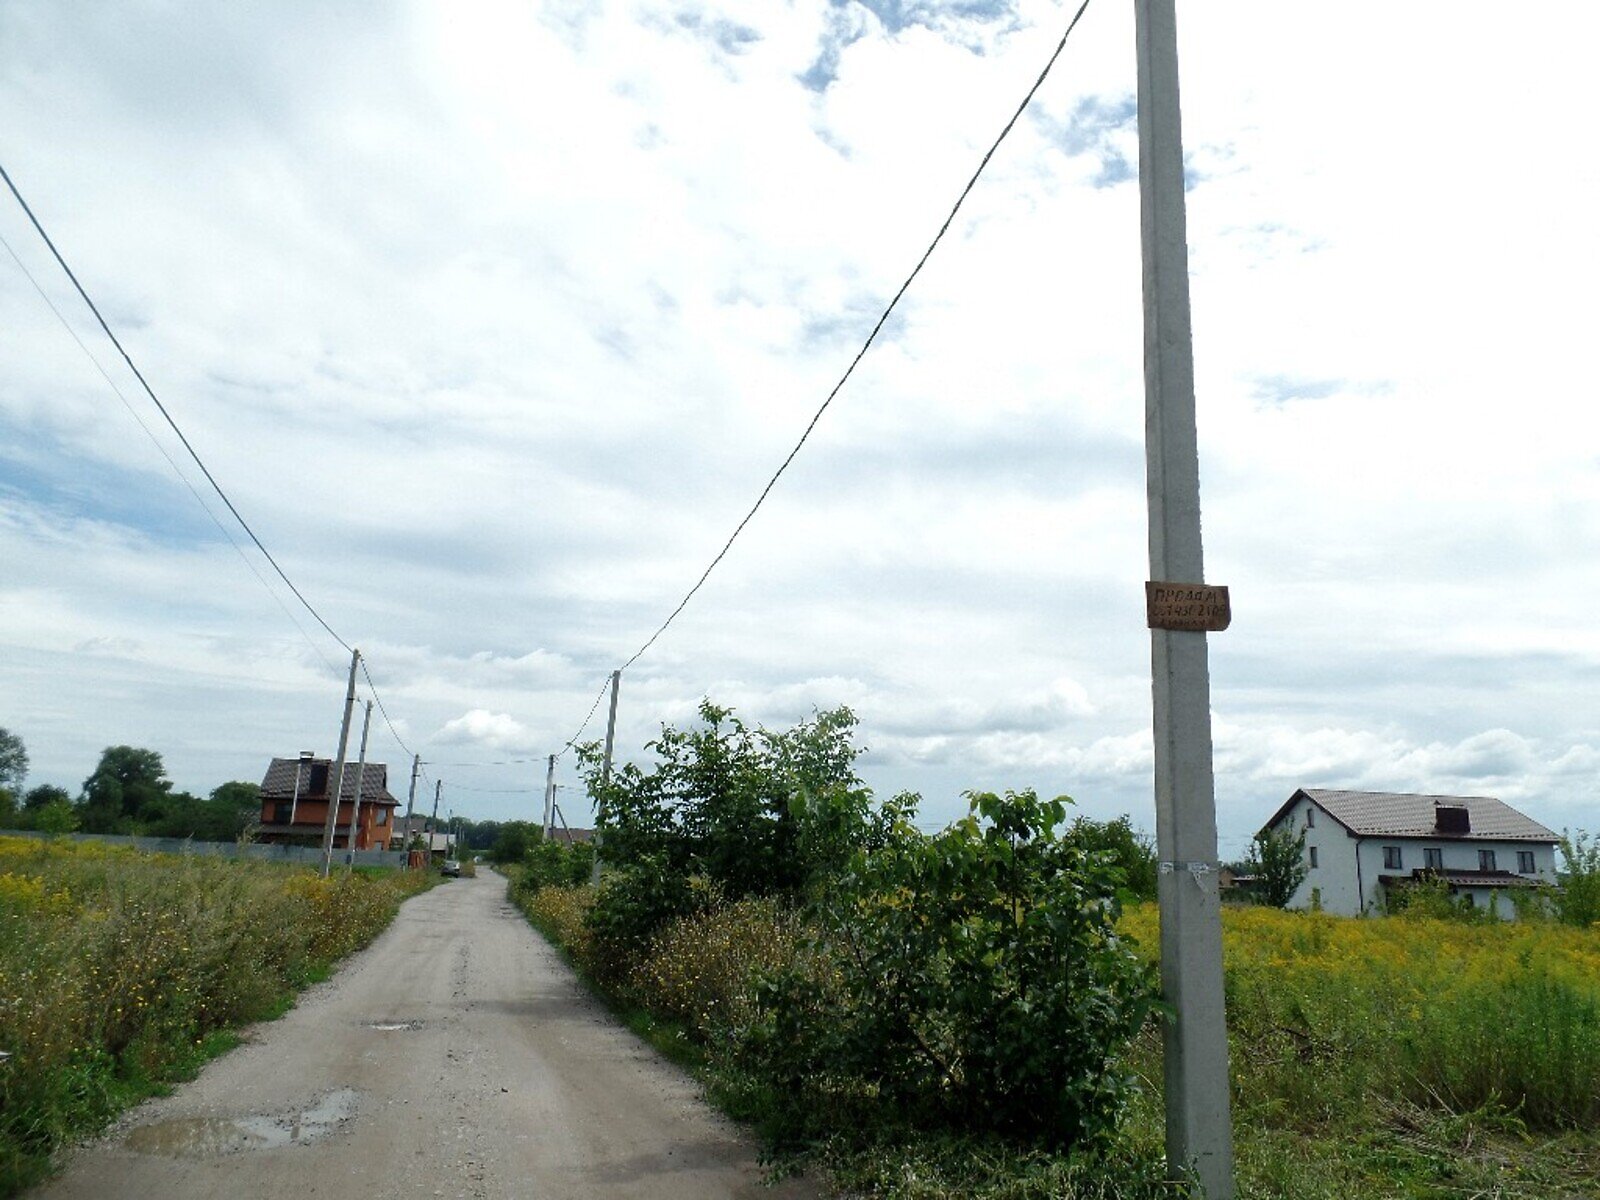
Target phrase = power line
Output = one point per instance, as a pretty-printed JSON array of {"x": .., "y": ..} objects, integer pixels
[
  {"x": 865, "y": 346},
  {"x": 374, "y": 689},
  {"x": 171, "y": 462},
  {"x": 593, "y": 708},
  {"x": 245, "y": 525}
]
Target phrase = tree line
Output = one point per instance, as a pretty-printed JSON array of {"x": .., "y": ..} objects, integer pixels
[{"x": 128, "y": 792}]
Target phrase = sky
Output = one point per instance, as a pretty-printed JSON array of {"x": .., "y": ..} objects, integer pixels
[{"x": 494, "y": 319}]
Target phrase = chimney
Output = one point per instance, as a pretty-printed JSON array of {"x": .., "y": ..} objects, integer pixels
[
  {"x": 307, "y": 755},
  {"x": 1452, "y": 818}
]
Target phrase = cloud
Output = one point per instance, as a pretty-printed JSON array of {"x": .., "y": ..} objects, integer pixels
[
  {"x": 497, "y": 731},
  {"x": 1097, "y": 127}
]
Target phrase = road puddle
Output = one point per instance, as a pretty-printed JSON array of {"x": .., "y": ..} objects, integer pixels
[{"x": 211, "y": 1137}]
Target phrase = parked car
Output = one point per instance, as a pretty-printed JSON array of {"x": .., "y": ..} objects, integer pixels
[{"x": 451, "y": 867}]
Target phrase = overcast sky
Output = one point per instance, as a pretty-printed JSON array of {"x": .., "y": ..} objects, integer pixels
[{"x": 494, "y": 319}]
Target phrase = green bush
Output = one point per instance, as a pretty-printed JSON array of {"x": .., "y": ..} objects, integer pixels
[{"x": 972, "y": 979}]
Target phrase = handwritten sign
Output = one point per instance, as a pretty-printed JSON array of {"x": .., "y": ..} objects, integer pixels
[{"x": 1192, "y": 607}]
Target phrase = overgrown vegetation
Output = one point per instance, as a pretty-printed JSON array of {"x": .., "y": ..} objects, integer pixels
[
  {"x": 121, "y": 971},
  {"x": 874, "y": 1011},
  {"x": 857, "y": 988}
]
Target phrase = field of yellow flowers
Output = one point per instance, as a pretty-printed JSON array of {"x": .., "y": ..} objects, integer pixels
[
  {"x": 120, "y": 970},
  {"x": 1408, "y": 1056}
]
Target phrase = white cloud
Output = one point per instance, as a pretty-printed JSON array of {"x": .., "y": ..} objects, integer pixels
[{"x": 497, "y": 731}]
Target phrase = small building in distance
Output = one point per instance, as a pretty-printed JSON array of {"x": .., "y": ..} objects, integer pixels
[
  {"x": 1364, "y": 847},
  {"x": 295, "y": 796}
]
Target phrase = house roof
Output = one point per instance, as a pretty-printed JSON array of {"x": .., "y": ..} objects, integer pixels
[
  {"x": 1403, "y": 814},
  {"x": 279, "y": 782}
]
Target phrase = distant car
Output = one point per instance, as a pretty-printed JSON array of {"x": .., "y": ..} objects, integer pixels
[{"x": 450, "y": 867}]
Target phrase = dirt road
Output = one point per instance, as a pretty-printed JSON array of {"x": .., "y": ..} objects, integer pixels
[{"x": 455, "y": 1057}]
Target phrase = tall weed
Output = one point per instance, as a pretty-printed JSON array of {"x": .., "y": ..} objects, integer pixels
[{"x": 117, "y": 967}]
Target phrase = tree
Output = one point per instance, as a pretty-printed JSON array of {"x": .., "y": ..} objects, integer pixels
[
  {"x": 127, "y": 782},
  {"x": 513, "y": 840},
  {"x": 44, "y": 795},
  {"x": 1578, "y": 902},
  {"x": 13, "y": 762},
  {"x": 1278, "y": 860}
]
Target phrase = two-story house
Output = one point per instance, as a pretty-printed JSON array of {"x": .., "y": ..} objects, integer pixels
[
  {"x": 1363, "y": 846},
  {"x": 295, "y": 796}
]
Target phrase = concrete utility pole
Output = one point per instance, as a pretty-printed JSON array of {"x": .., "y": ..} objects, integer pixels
[
  {"x": 355, "y": 809},
  {"x": 433, "y": 823},
  {"x": 299, "y": 770},
  {"x": 411, "y": 805},
  {"x": 336, "y": 784},
  {"x": 549, "y": 796},
  {"x": 605, "y": 769},
  {"x": 1199, "y": 1130},
  {"x": 611, "y": 728}
]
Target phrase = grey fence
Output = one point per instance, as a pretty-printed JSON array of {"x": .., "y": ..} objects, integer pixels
[{"x": 265, "y": 851}]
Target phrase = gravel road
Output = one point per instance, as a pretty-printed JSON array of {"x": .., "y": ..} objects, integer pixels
[{"x": 457, "y": 1056}]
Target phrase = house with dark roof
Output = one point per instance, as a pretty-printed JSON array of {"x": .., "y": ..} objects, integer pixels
[
  {"x": 295, "y": 797},
  {"x": 1362, "y": 847}
]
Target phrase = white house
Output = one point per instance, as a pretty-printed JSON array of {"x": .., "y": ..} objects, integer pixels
[{"x": 1362, "y": 845}]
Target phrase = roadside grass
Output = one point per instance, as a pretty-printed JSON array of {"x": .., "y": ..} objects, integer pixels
[
  {"x": 123, "y": 972},
  {"x": 1376, "y": 1058}
]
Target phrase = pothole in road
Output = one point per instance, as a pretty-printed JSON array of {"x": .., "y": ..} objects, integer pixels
[
  {"x": 394, "y": 1026},
  {"x": 209, "y": 1137}
]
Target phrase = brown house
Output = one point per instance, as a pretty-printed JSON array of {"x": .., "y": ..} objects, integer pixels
[{"x": 294, "y": 803}]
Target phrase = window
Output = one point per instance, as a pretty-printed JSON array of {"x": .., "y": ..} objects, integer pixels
[
  {"x": 1391, "y": 858},
  {"x": 383, "y": 815},
  {"x": 1312, "y": 851},
  {"x": 1433, "y": 858},
  {"x": 1311, "y": 817},
  {"x": 1485, "y": 860},
  {"x": 1525, "y": 862}
]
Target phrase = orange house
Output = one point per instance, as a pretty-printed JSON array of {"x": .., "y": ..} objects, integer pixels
[{"x": 295, "y": 796}]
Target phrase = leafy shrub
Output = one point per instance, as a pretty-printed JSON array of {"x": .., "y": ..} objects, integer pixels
[{"x": 970, "y": 979}]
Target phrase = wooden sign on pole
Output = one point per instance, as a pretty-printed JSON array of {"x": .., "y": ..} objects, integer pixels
[{"x": 1191, "y": 607}]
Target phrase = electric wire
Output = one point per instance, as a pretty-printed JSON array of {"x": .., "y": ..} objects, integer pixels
[
  {"x": 593, "y": 708},
  {"x": 171, "y": 462},
  {"x": 245, "y": 525},
  {"x": 871, "y": 338},
  {"x": 865, "y": 346},
  {"x": 373, "y": 688}
]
